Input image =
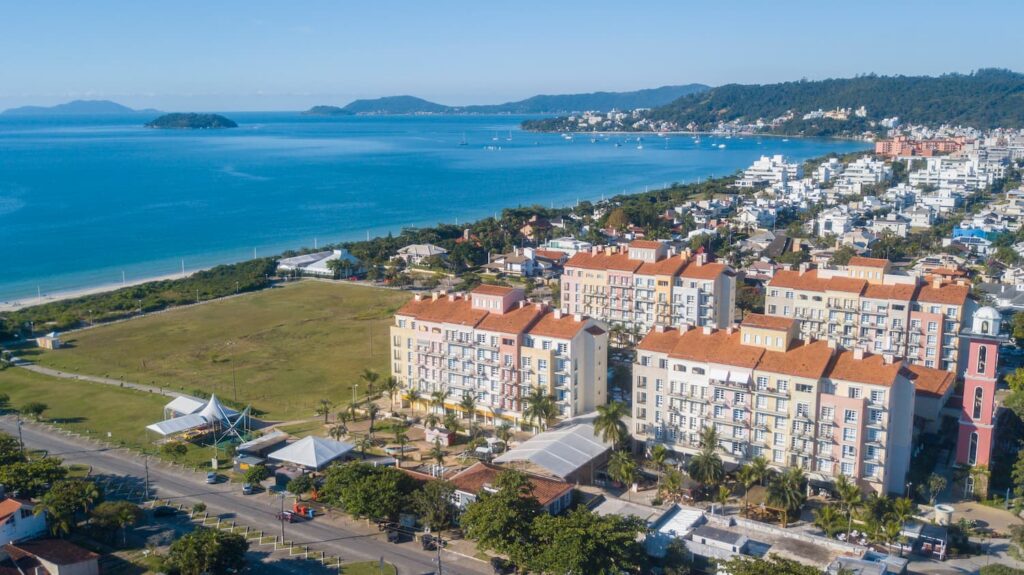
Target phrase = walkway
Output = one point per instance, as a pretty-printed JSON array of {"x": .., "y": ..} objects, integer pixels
[{"x": 29, "y": 366}]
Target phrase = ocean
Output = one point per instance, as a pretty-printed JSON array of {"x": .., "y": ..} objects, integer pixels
[{"x": 86, "y": 202}]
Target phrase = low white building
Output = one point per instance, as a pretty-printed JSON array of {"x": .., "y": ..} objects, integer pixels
[
  {"x": 318, "y": 264},
  {"x": 892, "y": 223},
  {"x": 19, "y": 522},
  {"x": 568, "y": 245},
  {"x": 414, "y": 254},
  {"x": 770, "y": 170}
]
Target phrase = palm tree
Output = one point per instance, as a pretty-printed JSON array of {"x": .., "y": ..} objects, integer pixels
[
  {"x": 412, "y": 395},
  {"x": 401, "y": 439},
  {"x": 437, "y": 452},
  {"x": 850, "y": 497},
  {"x": 371, "y": 411},
  {"x": 391, "y": 386},
  {"x": 538, "y": 408},
  {"x": 324, "y": 408},
  {"x": 786, "y": 491},
  {"x": 622, "y": 468},
  {"x": 892, "y": 532},
  {"x": 468, "y": 405},
  {"x": 451, "y": 423},
  {"x": 437, "y": 399},
  {"x": 903, "y": 510},
  {"x": 364, "y": 443},
  {"x": 671, "y": 484},
  {"x": 608, "y": 424},
  {"x": 341, "y": 417},
  {"x": 747, "y": 476},
  {"x": 706, "y": 465},
  {"x": 828, "y": 520},
  {"x": 658, "y": 455},
  {"x": 504, "y": 433},
  {"x": 370, "y": 378},
  {"x": 722, "y": 496},
  {"x": 431, "y": 420},
  {"x": 759, "y": 469},
  {"x": 337, "y": 432}
]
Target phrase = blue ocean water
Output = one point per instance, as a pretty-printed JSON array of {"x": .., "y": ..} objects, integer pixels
[{"x": 84, "y": 199}]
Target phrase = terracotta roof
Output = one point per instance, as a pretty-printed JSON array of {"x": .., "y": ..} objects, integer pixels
[
  {"x": 901, "y": 292},
  {"x": 666, "y": 267},
  {"x": 861, "y": 261},
  {"x": 565, "y": 327},
  {"x": 718, "y": 347},
  {"x": 851, "y": 285},
  {"x": 515, "y": 320},
  {"x": 872, "y": 369},
  {"x": 443, "y": 310},
  {"x": 57, "y": 551},
  {"x": 549, "y": 254},
  {"x": 808, "y": 281},
  {"x": 480, "y": 475},
  {"x": 930, "y": 381},
  {"x": 645, "y": 244},
  {"x": 708, "y": 271},
  {"x": 603, "y": 261},
  {"x": 488, "y": 289},
  {"x": 659, "y": 342},
  {"x": 947, "y": 294},
  {"x": 761, "y": 321},
  {"x": 8, "y": 507},
  {"x": 802, "y": 360}
]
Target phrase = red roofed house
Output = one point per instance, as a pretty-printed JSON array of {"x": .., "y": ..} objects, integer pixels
[
  {"x": 18, "y": 521},
  {"x": 49, "y": 557},
  {"x": 554, "y": 496},
  {"x": 495, "y": 345}
]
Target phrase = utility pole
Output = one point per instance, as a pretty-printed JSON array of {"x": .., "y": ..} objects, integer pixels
[
  {"x": 438, "y": 543},
  {"x": 282, "y": 517},
  {"x": 147, "y": 478},
  {"x": 21, "y": 441}
]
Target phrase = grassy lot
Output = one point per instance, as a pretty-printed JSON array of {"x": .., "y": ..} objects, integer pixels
[
  {"x": 368, "y": 568},
  {"x": 280, "y": 350},
  {"x": 95, "y": 409}
]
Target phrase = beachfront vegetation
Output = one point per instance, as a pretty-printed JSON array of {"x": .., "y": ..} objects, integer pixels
[{"x": 282, "y": 350}]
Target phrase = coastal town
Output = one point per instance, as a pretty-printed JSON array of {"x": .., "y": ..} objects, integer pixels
[{"x": 806, "y": 367}]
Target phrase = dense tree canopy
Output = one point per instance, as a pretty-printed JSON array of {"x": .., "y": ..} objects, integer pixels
[
  {"x": 367, "y": 491},
  {"x": 207, "y": 551}
]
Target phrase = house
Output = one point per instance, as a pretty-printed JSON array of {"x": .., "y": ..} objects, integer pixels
[
  {"x": 932, "y": 389},
  {"x": 859, "y": 239},
  {"x": 49, "y": 556},
  {"x": 535, "y": 228},
  {"x": 553, "y": 495},
  {"x": 567, "y": 245},
  {"x": 518, "y": 263},
  {"x": 892, "y": 223},
  {"x": 49, "y": 341},
  {"x": 414, "y": 254},
  {"x": 18, "y": 520},
  {"x": 710, "y": 545},
  {"x": 920, "y": 216},
  {"x": 837, "y": 220},
  {"x": 319, "y": 264}
]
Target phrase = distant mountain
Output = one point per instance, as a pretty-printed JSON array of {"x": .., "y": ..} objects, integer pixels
[
  {"x": 542, "y": 104},
  {"x": 326, "y": 111},
  {"x": 76, "y": 108},
  {"x": 191, "y": 122}
]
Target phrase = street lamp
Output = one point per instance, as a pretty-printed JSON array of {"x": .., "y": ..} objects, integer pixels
[
  {"x": 21, "y": 440},
  {"x": 281, "y": 516}
]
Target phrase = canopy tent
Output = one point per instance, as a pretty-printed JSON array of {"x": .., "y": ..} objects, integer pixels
[
  {"x": 210, "y": 413},
  {"x": 312, "y": 452},
  {"x": 561, "y": 451}
]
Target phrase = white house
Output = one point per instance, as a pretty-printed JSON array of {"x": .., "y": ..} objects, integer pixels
[
  {"x": 317, "y": 264},
  {"x": 18, "y": 521},
  {"x": 893, "y": 223},
  {"x": 414, "y": 254}
]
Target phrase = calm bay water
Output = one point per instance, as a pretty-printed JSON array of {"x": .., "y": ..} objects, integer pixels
[{"x": 84, "y": 199}]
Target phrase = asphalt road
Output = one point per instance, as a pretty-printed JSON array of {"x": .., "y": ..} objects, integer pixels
[{"x": 257, "y": 511}]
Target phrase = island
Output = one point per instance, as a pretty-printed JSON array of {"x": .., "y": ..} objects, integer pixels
[
  {"x": 77, "y": 108},
  {"x": 327, "y": 111},
  {"x": 191, "y": 121}
]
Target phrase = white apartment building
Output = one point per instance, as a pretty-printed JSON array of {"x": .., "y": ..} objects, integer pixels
[{"x": 770, "y": 170}]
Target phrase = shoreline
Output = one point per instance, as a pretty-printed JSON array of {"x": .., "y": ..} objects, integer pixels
[
  {"x": 61, "y": 295},
  {"x": 697, "y": 133}
]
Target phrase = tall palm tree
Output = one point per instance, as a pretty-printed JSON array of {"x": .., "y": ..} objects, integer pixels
[
  {"x": 392, "y": 387},
  {"x": 722, "y": 496},
  {"x": 608, "y": 424},
  {"x": 336, "y": 432},
  {"x": 622, "y": 468},
  {"x": 324, "y": 408},
  {"x": 364, "y": 443},
  {"x": 903, "y": 510},
  {"x": 412, "y": 395},
  {"x": 371, "y": 411},
  {"x": 431, "y": 420},
  {"x": 504, "y": 433},
  {"x": 706, "y": 467},
  {"x": 759, "y": 469},
  {"x": 850, "y": 497},
  {"x": 828, "y": 520},
  {"x": 658, "y": 456},
  {"x": 538, "y": 407},
  {"x": 369, "y": 378},
  {"x": 401, "y": 439},
  {"x": 437, "y": 452},
  {"x": 787, "y": 491},
  {"x": 468, "y": 405},
  {"x": 892, "y": 532},
  {"x": 451, "y": 423},
  {"x": 746, "y": 476},
  {"x": 437, "y": 399}
]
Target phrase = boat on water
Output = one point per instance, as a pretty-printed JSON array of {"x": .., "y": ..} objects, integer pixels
[
  {"x": 509, "y": 138},
  {"x": 721, "y": 146},
  {"x": 785, "y": 139},
  {"x": 593, "y": 140},
  {"x": 639, "y": 144},
  {"x": 495, "y": 138},
  {"x": 618, "y": 145},
  {"x": 463, "y": 142}
]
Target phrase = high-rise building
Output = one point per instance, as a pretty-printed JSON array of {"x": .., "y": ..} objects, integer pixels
[
  {"x": 646, "y": 284},
  {"x": 496, "y": 346},
  {"x": 797, "y": 403}
]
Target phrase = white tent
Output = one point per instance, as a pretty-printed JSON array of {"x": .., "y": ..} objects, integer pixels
[
  {"x": 213, "y": 411},
  {"x": 561, "y": 451},
  {"x": 312, "y": 452}
]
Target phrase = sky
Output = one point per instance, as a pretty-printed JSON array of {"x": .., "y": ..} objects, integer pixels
[{"x": 232, "y": 55}]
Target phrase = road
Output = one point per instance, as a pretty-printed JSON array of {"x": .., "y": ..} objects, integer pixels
[{"x": 257, "y": 511}]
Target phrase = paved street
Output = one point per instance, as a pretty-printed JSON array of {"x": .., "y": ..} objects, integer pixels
[{"x": 350, "y": 542}]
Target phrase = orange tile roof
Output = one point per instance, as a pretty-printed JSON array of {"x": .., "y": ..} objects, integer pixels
[
  {"x": 550, "y": 254},
  {"x": 565, "y": 327},
  {"x": 645, "y": 244},
  {"x": 8, "y": 507},
  {"x": 803, "y": 360},
  {"x": 443, "y": 310},
  {"x": 947, "y": 294},
  {"x": 851, "y": 285},
  {"x": 476, "y": 477},
  {"x": 860, "y": 261},
  {"x": 708, "y": 271},
  {"x": 666, "y": 267},
  {"x": 901, "y": 292},
  {"x": 659, "y": 342},
  {"x": 603, "y": 261},
  {"x": 872, "y": 369},
  {"x": 516, "y": 320},
  {"x": 793, "y": 279},
  {"x": 761, "y": 321},
  {"x": 930, "y": 381},
  {"x": 718, "y": 347},
  {"x": 489, "y": 289}
]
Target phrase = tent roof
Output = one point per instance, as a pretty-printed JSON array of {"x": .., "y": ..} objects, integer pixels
[
  {"x": 312, "y": 452},
  {"x": 262, "y": 441},
  {"x": 185, "y": 404},
  {"x": 178, "y": 424},
  {"x": 560, "y": 451},
  {"x": 211, "y": 411},
  {"x": 215, "y": 410}
]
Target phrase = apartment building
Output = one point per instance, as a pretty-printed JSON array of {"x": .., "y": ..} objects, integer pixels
[
  {"x": 495, "y": 345},
  {"x": 797, "y": 403},
  {"x": 867, "y": 305},
  {"x": 646, "y": 284},
  {"x": 770, "y": 170}
]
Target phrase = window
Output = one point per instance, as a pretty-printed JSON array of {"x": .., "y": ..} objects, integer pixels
[
  {"x": 762, "y": 382},
  {"x": 849, "y": 451},
  {"x": 979, "y": 396},
  {"x": 525, "y": 362},
  {"x": 854, "y": 392},
  {"x": 738, "y": 415},
  {"x": 804, "y": 388},
  {"x": 827, "y": 413},
  {"x": 849, "y": 434},
  {"x": 847, "y": 469},
  {"x": 982, "y": 357},
  {"x": 850, "y": 416},
  {"x": 972, "y": 450},
  {"x": 932, "y": 327},
  {"x": 563, "y": 348},
  {"x": 762, "y": 402},
  {"x": 782, "y": 385},
  {"x": 719, "y": 394},
  {"x": 803, "y": 409},
  {"x": 697, "y": 371},
  {"x": 877, "y": 396},
  {"x": 871, "y": 470},
  {"x": 662, "y": 363}
]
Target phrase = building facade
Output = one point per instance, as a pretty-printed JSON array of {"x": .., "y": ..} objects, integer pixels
[
  {"x": 495, "y": 345},
  {"x": 797, "y": 403},
  {"x": 645, "y": 284},
  {"x": 866, "y": 305},
  {"x": 976, "y": 435}
]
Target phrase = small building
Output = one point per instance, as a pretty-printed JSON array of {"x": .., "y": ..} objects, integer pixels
[
  {"x": 553, "y": 495},
  {"x": 18, "y": 520},
  {"x": 871, "y": 563},
  {"x": 571, "y": 452},
  {"x": 676, "y": 523},
  {"x": 414, "y": 254},
  {"x": 434, "y": 434},
  {"x": 50, "y": 556},
  {"x": 49, "y": 341},
  {"x": 312, "y": 453},
  {"x": 262, "y": 445},
  {"x": 319, "y": 264},
  {"x": 932, "y": 388}
]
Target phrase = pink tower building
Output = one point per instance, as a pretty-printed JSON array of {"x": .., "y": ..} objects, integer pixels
[{"x": 977, "y": 418}]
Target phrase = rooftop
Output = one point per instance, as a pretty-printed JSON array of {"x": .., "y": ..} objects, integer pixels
[
  {"x": 860, "y": 261},
  {"x": 481, "y": 476},
  {"x": 761, "y": 321},
  {"x": 930, "y": 381}
]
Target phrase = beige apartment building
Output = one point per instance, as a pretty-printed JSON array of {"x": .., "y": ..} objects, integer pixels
[
  {"x": 867, "y": 305},
  {"x": 646, "y": 284},
  {"x": 797, "y": 403},
  {"x": 495, "y": 345}
]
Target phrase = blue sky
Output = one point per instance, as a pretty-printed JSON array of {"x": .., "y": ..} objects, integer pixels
[{"x": 266, "y": 55}]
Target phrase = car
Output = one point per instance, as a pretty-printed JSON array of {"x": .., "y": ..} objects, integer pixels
[
  {"x": 211, "y": 477},
  {"x": 247, "y": 489},
  {"x": 164, "y": 511},
  {"x": 287, "y": 516},
  {"x": 394, "y": 536}
]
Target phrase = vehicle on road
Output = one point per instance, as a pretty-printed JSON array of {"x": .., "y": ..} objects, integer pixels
[
  {"x": 287, "y": 516},
  {"x": 164, "y": 511},
  {"x": 394, "y": 536},
  {"x": 247, "y": 489},
  {"x": 211, "y": 477}
]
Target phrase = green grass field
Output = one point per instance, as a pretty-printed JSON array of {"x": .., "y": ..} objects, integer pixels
[{"x": 281, "y": 350}]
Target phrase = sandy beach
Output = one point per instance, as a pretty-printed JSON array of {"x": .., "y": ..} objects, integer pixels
[{"x": 71, "y": 294}]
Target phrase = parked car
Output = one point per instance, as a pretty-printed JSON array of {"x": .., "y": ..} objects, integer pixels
[
  {"x": 247, "y": 489},
  {"x": 164, "y": 511},
  {"x": 287, "y": 516},
  {"x": 211, "y": 477}
]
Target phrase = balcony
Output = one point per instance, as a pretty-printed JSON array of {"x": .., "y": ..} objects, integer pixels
[{"x": 729, "y": 384}]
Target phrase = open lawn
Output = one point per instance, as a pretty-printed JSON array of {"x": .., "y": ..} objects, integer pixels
[{"x": 281, "y": 349}]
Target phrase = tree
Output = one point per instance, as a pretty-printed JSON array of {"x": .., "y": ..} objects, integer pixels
[
  {"x": 773, "y": 565},
  {"x": 5, "y": 400},
  {"x": 431, "y": 420},
  {"x": 300, "y": 484},
  {"x": 891, "y": 533},
  {"x": 371, "y": 412},
  {"x": 364, "y": 443},
  {"x": 369, "y": 378},
  {"x": 501, "y": 521},
  {"x": 828, "y": 520},
  {"x": 934, "y": 486},
  {"x": 504, "y": 433},
  {"x": 608, "y": 424},
  {"x": 174, "y": 450},
  {"x": 622, "y": 468},
  {"x": 437, "y": 452},
  {"x": 437, "y": 400},
  {"x": 658, "y": 455},
  {"x": 582, "y": 541},
  {"x": 401, "y": 438},
  {"x": 35, "y": 409},
  {"x": 1017, "y": 324},
  {"x": 788, "y": 492},
  {"x": 750, "y": 475},
  {"x": 850, "y": 497},
  {"x": 392, "y": 387},
  {"x": 468, "y": 405},
  {"x": 671, "y": 484},
  {"x": 257, "y": 474},
  {"x": 433, "y": 503},
  {"x": 538, "y": 408},
  {"x": 617, "y": 219},
  {"x": 451, "y": 423},
  {"x": 367, "y": 491},
  {"x": 64, "y": 500},
  {"x": 10, "y": 450},
  {"x": 208, "y": 551},
  {"x": 412, "y": 396},
  {"x": 336, "y": 432},
  {"x": 117, "y": 515},
  {"x": 722, "y": 496},
  {"x": 841, "y": 256},
  {"x": 31, "y": 478},
  {"x": 706, "y": 465},
  {"x": 324, "y": 408}
]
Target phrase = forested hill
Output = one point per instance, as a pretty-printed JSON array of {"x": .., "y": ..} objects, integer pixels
[{"x": 985, "y": 99}]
